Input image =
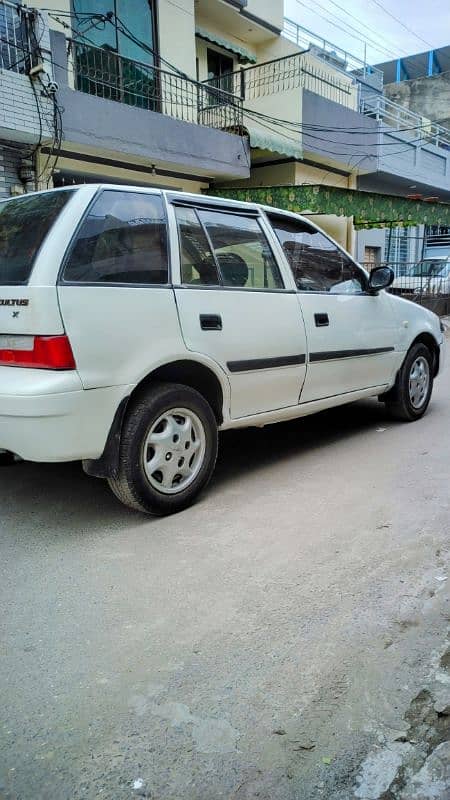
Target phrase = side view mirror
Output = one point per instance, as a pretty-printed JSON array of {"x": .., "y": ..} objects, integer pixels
[{"x": 380, "y": 278}]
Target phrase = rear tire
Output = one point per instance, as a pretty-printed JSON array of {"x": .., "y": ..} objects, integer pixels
[
  {"x": 168, "y": 450},
  {"x": 411, "y": 395}
]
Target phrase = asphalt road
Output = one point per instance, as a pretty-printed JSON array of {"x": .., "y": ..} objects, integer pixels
[{"x": 256, "y": 645}]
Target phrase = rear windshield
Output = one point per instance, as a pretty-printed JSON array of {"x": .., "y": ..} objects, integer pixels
[{"x": 24, "y": 224}]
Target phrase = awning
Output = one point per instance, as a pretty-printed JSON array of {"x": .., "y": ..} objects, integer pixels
[
  {"x": 275, "y": 144},
  {"x": 245, "y": 57},
  {"x": 368, "y": 210}
]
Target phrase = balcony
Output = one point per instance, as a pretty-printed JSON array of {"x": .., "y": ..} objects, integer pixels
[
  {"x": 401, "y": 119},
  {"x": 127, "y": 112},
  {"x": 107, "y": 75},
  {"x": 367, "y": 76},
  {"x": 297, "y": 71}
]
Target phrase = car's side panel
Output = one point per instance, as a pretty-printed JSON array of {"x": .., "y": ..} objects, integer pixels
[
  {"x": 261, "y": 345},
  {"x": 357, "y": 349},
  {"x": 302, "y": 409},
  {"x": 121, "y": 334}
]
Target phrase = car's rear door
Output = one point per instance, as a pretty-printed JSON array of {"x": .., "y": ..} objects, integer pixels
[{"x": 235, "y": 306}]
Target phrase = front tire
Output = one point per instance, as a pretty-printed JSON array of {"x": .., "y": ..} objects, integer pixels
[
  {"x": 412, "y": 393},
  {"x": 168, "y": 450}
]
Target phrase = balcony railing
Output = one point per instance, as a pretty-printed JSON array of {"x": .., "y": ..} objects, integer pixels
[
  {"x": 418, "y": 129},
  {"x": 106, "y": 74},
  {"x": 327, "y": 51},
  {"x": 15, "y": 48},
  {"x": 282, "y": 74}
]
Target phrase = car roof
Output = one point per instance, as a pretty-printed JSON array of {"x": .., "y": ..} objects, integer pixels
[{"x": 209, "y": 199}]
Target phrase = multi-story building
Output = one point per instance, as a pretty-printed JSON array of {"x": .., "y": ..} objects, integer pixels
[
  {"x": 212, "y": 95},
  {"x": 420, "y": 84}
]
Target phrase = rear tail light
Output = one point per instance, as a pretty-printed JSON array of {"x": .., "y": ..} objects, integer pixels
[{"x": 39, "y": 352}]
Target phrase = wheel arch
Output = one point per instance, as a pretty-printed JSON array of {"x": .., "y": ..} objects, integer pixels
[
  {"x": 189, "y": 372},
  {"x": 426, "y": 338},
  {"x": 429, "y": 341}
]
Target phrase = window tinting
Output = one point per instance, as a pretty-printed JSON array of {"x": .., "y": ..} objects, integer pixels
[
  {"x": 121, "y": 240},
  {"x": 241, "y": 250},
  {"x": 24, "y": 224},
  {"x": 317, "y": 263},
  {"x": 197, "y": 263}
]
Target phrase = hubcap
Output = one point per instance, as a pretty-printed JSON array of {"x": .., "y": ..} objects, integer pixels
[
  {"x": 419, "y": 381},
  {"x": 174, "y": 450}
]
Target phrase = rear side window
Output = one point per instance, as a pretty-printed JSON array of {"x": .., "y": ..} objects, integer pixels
[
  {"x": 24, "y": 224},
  {"x": 225, "y": 249},
  {"x": 198, "y": 266},
  {"x": 123, "y": 239}
]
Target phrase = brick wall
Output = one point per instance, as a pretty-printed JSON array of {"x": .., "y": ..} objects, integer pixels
[
  {"x": 26, "y": 115},
  {"x": 9, "y": 164},
  {"x": 19, "y": 116}
]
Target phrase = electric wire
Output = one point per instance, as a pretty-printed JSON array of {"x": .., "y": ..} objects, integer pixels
[
  {"x": 399, "y": 21},
  {"x": 376, "y": 46},
  {"x": 269, "y": 121},
  {"x": 359, "y": 21}
]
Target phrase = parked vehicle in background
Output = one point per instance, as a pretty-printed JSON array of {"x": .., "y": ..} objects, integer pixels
[
  {"x": 136, "y": 323},
  {"x": 430, "y": 276}
]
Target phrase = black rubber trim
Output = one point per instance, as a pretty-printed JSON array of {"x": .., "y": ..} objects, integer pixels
[
  {"x": 265, "y": 363},
  {"x": 329, "y": 355},
  {"x": 107, "y": 466}
]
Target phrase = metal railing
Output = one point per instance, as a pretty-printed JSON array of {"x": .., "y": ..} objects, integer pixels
[
  {"x": 401, "y": 119},
  {"x": 430, "y": 290},
  {"x": 438, "y": 240},
  {"x": 282, "y": 74},
  {"x": 15, "y": 46},
  {"x": 327, "y": 51},
  {"x": 106, "y": 74}
]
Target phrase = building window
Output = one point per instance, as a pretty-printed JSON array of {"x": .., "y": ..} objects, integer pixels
[
  {"x": 399, "y": 247},
  {"x": 220, "y": 68},
  {"x": 138, "y": 16},
  {"x": 121, "y": 69},
  {"x": 372, "y": 256}
]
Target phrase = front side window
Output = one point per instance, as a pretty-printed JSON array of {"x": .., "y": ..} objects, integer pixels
[
  {"x": 317, "y": 263},
  {"x": 24, "y": 224},
  {"x": 122, "y": 239},
  {"x": 225, "y": 249}
]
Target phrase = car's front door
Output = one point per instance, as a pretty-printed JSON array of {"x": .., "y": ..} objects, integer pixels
[
  {"x": 234, "y": 306},
  {"x": 351, "y": 334}
]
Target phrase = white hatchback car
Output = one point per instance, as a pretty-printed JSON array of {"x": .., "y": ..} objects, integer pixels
[{"x": 135, "y": 323}]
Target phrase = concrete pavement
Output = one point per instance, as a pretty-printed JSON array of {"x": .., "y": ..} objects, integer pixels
[{"x": 260, "y": 644}]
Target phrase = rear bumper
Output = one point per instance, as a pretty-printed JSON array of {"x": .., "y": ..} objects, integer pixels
[{"x": 48, "y": 416}]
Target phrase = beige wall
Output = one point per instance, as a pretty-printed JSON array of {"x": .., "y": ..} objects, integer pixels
[
  {"x": 271, "y": 11},
  {"x": 176, "y": 23},
  {"x": 337, "y": 227},
  {"x": 305, "y": 173},
  {"x": 54, "y": 6},
  {"x": 112, "y": 174}
]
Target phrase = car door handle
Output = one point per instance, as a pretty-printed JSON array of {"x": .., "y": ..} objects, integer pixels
[
  {"x": 210, "y": 322},
  {"x": 321, "y": 320}
]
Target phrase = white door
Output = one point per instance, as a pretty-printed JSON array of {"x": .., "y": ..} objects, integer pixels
[
  {"x": 351, "y": 334},
  {"x": 234, "y": 307}
]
